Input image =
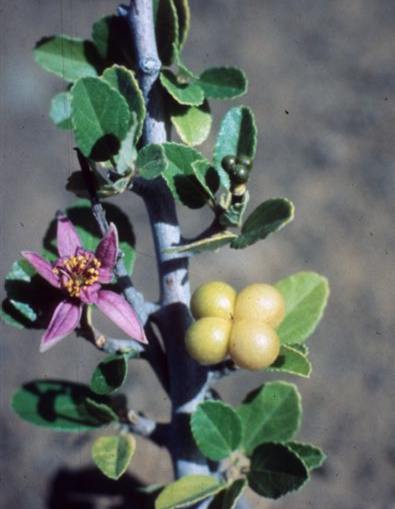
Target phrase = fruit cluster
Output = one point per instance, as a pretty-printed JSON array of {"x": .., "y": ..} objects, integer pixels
[
  {"x": 240, "y": 325},
  {"x": 237, "y": 167}
]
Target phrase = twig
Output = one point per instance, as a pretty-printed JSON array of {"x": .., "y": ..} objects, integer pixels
[
  {"x": 147, "y": 428},
  {"x": 135, "y": 299},
  {"x": 154, "y": 353},
  {"x": 105, "y": 343}
]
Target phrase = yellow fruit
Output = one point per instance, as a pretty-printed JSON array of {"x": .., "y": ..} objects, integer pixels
[
  {"x": 213, "y": 299},
  {"x": 260, "y": 302},
  {"x": 253, "y": 345},
  {"x": 207, "y": 340}
]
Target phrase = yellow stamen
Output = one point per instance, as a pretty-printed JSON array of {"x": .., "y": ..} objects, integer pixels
[{"x": 80, "y": 271}]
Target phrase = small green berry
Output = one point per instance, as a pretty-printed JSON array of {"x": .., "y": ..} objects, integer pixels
[
  {"x": 245, "y": 161},
  {"x": 240, "y": 174},
  {"x": 228, "y": 163}
]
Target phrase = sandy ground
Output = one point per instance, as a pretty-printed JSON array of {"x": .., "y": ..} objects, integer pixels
[{"x": 322, "y": 87}]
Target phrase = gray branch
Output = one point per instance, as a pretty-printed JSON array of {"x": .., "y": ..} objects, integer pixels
[{"x": 188, "y": 381}]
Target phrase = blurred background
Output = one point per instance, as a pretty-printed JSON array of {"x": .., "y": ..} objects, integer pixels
[{"x": 322, "y": 80}]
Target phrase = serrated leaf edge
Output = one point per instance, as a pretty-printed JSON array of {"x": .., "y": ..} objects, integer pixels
[
  {"x": 233, "y": 68},
  {"x": 298, "y": 404},
  {"x": 222, "y": 404},
  {"x": 288, "y": 347}
]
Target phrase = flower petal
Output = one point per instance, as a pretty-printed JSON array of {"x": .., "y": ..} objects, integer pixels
[
  {"x": 67, "y": 237},
  {"x": 89, "y": 294},
  {"x": 105, "y": 275},
  {"x": 121, "y": 313},
  {"x": 65, "y": 319},
  {"x": 107, "y": 250},
  {"x": 43, "y": 267}
]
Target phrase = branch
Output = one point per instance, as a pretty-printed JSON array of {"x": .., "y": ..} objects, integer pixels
[
  {"x": 135, "y": 299},
  {"x": 188, "y": 380},
  {"x": 140, "y": 18},
  {"x": 147, "y": 428}
]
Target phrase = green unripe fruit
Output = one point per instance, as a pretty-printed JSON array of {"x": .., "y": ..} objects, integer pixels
[
  {"x": 214, "y": 298},
  {"x": 228, "y": 162},
  {"x": 239, "y": 175},
  {"x": 262, "y": 303},
  {"x": 253, "y": 345},
  {"x": 245, "y": 161},
  {"x": 207, "y": 340}
]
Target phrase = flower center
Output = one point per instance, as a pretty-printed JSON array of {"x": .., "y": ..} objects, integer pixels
[{"x": 77, "y": 272}]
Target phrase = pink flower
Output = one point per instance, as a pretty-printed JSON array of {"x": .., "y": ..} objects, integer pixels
[{"x": 80, "y": 274}]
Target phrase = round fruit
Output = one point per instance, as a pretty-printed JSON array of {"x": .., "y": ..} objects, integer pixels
[
  {"x": 207, "y": 340},
  {"x": 253, "y": 345},
  {"x": 260, "y": 302},
  {"x": 228, "y": 162},
  {"x": 239, "y": 174},
  {"x": 245, "y": 161},
  {"x": 213, "y": 299}
]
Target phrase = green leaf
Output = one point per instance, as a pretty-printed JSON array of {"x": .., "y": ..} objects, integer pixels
[
  {"x": 217, "y": 429},
  {"x": 124, "y": 82},
  {"x": 112, "y": 454},
  {"x": 291, "y": 361},
  {"x": 306, "y": 295},
  {"x": 237, "y": 135},
  {"x": 29, "y": 297},
  {"x": 192, "y": 123},
  {"x": 128, "y": 153},
  {"x": 184, "y": 19},
  {"x": 56, "y": 404},
  {"x": 302, "y": 348},
  {"x": 180, "y": 176},
  {"x": 188, "y": 490},
  {"x": 60, "y": 111},
  {"x": 67, "y": 57},
  {"x": 312, "y": 456},
  {"x": 189, "y": 94},
  {"x": 104, "y": 186},
  {"x": 166, "y": 29},
  {"x": 100, "y": 117},
  {"x": 228, "y": 498},
  {"x": 270, "y": 414},
  {"x": 223, "y": 82},
  {"x": 275, "y": 471},
  {"x": 110, "y": 374},
  {"x": 113, "y": 40},
  {"x": 183, "y": 72},
  {"x": 151, "y": 161},
  {"x": 208, "y": 244},
  {"x": 100, "y": 411},
  {"x": 269, "y": 217},
  {"x": 233, "y": 215},
  {"x": 81, "y": 216},
  {"x": 207, "y": 175}
]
